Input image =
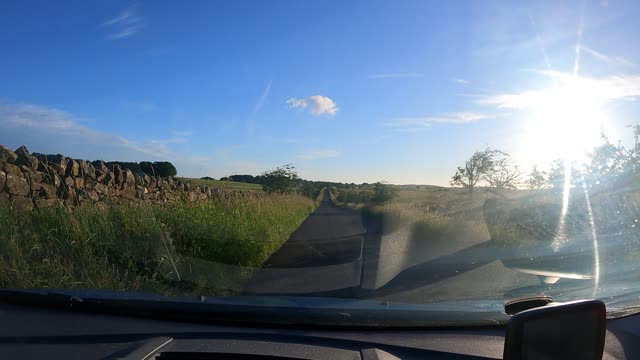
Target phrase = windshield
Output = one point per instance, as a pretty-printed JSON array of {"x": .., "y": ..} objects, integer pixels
[{"x": 447, "y": 156}]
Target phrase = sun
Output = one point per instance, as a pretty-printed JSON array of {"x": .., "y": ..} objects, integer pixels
[{"x": 564, "y": 121}]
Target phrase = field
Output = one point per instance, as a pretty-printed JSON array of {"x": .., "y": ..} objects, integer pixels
[
  {"x": 518, "y": 220},
  {"x": 435, "y": 213},
  {"x": 426, "y": 215},
  {"x": 182, "y": 248},
  {"x": 226, "y": 185},
  {"x": 414, "y": 204}
]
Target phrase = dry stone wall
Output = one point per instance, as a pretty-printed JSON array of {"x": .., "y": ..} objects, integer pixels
[{"x": 29, "y": 181}]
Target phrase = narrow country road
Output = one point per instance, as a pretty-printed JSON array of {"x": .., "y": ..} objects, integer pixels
[
  {"x": 335, "y": 253},
  {"x": 323, "y": 254}
]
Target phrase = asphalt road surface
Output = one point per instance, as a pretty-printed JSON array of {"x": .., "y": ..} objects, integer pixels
[
  {"x": 328, "y": 236},
  {"x": 320, "y": 256},
  {"x": 327, "y": 254}
]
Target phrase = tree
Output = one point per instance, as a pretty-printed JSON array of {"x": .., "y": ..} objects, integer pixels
[
  {"x": 606, "y": 162},
  {"x": 309, "y": 188},
  {"x": 557, "y": 174},
  {"x": 281, "y": 180},
  {"x": 632, "y": 156},
  {"x": 537, "y": 179},
  {"x": 475, "y": 168},
  {"x": 502, "y": 175},
  {"x": 164, "y": 169},
  {"x": 147, "y": 168},
  {"x": 383, "y": 192}
]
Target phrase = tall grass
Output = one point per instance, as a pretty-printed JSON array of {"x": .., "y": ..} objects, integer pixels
[
  {"x": 125, "y": 248},
  {"x": 86, "y": 248},
  {"x": 354, "y": 197},
  {"x": 239, "y": 231}
]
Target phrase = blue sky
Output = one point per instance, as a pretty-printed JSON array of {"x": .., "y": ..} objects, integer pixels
[{"x": 346, "y": 91}]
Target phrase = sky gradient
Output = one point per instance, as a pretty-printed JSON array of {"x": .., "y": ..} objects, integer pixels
[{"x": 346, "y": 91}]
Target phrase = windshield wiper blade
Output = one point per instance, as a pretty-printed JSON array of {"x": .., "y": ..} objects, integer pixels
[{"x": 302, "y": 311}]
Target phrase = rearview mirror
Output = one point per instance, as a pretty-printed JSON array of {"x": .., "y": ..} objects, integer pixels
[{"x": 574, "y": 330}]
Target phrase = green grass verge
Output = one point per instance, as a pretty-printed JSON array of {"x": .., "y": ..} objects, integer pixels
[
  {"x": 227, "y": 185},
  {"x": 138, "y": 247}
]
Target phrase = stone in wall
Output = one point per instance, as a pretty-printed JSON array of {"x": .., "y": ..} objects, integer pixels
[
  {"x": 6, "y": 155},
  {"x": 16, "y": 185},
  {"x": 11, "y": 169},
  {"x": 22, "y": 203}
]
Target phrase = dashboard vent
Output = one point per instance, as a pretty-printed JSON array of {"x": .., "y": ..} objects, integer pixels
[{"x": 176, "y": 355}]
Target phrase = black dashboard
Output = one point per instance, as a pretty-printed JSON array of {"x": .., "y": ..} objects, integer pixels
[{"x": 44, "y": 333}]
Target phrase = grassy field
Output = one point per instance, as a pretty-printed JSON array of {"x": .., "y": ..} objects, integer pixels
[
  {"x": 430, "y": 213},
  {"x": 433, "y": 200},
  {"x": 517, "y": 219},
  {"x": 227, "y": 185},
  {"x": 146, "y": 247}
]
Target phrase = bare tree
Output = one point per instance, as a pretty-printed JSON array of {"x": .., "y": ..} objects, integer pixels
[
  {"x": 475, "y": 168},
  {"x": 502, "y": 175}
]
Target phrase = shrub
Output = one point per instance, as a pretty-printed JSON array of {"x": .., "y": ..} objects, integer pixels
[
  {"x": 164, "y": 169},
  {"x": 354, "y": 196},
  {"x": 147, "y": 168},
  {"x": 383, "y": 192},
  {"x": 282, "y": 180}
]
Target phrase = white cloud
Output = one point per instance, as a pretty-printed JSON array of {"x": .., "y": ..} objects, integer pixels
[
  {"x": 263, "y": 97},
  {"x": 602, "y": 89},
  {"x": 461, "y": 81},
  {"x": 317, "y": 154},
  {"x": 418, "y": 124},
  {"x": 55, "y": 129},
  {"x": 124, "y": 25},
  {"x": 171, "y": 140},
  {"x": 32, "y": 116},
  {"x": 124, "y": 33},
  {"x": 596, "y": 54},
  {"x": 395, "y": 75},
  {"x": 317, "y": 104},
  {"x": 606, "y": 58}
]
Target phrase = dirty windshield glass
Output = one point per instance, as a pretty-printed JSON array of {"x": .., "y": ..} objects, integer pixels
[{"x": 446, "y": 156}]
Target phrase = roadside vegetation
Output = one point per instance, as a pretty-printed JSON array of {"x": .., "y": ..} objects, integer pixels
[
  {"x": 377, "y": 193},
  {"x": 426, "y": 213},
  {"x": 146, "y": 247},
  {"x": 198, "y": 247}
]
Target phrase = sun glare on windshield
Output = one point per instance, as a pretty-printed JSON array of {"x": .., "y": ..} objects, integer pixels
[{"x": 566, "y": 120}]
